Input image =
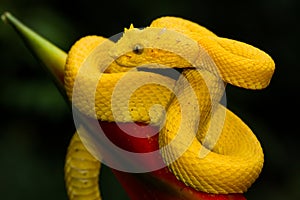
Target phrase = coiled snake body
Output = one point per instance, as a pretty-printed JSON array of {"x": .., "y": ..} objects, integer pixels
[{"x": 224, "y": 157}]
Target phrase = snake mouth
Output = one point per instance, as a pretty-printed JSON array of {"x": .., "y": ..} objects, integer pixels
[
  {"x": 172, "y": 73},
  {"x": 120, "y": 63}
]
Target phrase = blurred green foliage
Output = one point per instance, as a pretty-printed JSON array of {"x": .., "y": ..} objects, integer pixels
[{"x": 36, "y": 123}]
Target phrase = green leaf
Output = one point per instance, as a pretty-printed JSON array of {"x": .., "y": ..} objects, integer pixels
[{"x": 52, "y": 57}]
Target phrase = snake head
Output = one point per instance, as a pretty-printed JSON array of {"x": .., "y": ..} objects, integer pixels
[{"x": 154, "y": 47}]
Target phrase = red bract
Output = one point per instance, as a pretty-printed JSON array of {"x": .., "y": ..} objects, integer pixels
[{"x": 160, "y": 184}]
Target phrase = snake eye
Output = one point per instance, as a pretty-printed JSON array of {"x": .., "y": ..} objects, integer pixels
[{"x": 138, "y": 49}]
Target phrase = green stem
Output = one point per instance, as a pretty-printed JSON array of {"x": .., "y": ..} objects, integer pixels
[{"x": 51, "y": 56}]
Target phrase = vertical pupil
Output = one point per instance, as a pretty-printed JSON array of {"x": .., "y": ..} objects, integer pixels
[{"x": 138, "y": 49}]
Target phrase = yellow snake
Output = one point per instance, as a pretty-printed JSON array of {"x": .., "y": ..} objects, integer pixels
[{"x": 224, "y": 157}]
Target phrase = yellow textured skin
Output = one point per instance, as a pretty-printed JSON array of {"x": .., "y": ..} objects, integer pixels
[
  {"x": 89, "y": 84},
  {"x": 225, "y": 156},
  {"x": 81, "y": 172},
  {"x": 239, "y": 64}
]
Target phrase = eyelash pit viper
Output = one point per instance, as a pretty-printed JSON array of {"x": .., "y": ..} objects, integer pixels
[
  {"x": 231, "y": 158},
  {"x": 235, "y": 161}
]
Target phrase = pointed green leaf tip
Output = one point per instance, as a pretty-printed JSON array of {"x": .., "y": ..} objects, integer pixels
[{"x": 51, "y": 56}]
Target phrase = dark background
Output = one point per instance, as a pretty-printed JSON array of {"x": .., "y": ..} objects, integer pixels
[{"x": 36, "y": 123}]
